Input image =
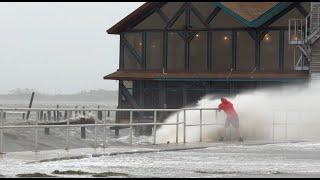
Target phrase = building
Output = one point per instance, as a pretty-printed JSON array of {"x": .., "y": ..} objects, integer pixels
[{"x": 173, "y": 53}]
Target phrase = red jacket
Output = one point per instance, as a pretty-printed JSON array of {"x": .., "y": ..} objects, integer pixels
[{"x": 227, "y": 107}]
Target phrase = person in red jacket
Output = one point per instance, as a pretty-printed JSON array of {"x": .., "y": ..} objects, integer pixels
[{"x": 232, "y": 117}]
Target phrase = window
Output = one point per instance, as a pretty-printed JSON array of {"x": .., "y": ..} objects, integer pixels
[
  {"x": 245, "y": 52},
  {"x": 176, "y": 52},
  {"x": 154, "y": 50},
  {"x": 269, "y": 51},
  {"x": 133, "y": 51},
  {"x": 222, "y": 51},
  {"x": 198, "y": 52}
]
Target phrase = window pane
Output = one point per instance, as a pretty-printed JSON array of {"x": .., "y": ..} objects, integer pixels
[
  {"x": 175, "y": 52},
  {"x": 269, "y": 52},
  {"x": 154, "y": 50},
  {"x": 290, "y": 53},
  {"x": 245, "y": 51},
  {"x": 198, "y": 52},
  {"x": 222, "y": 50},
  {"x": 170, "y": 8},
  {"x": 205, "y": 8},
  {"x": 130, "y": 62},
  {"x": 135, "y": 40},
  {"x": 154, "y": 21}
]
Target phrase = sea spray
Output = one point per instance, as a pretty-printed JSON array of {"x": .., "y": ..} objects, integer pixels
[{"x": 263, "y": 114}]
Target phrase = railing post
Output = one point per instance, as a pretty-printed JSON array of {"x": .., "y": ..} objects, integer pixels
[
  {"x": 131, "y": 129},
  {"x": 1, "y": 134},
  {"x": 105, "y": 130},
  {"x": 95, "y": 131},
  {"x": 36, "y": 137},
  {"x": 273, "y": 127},
  {"x": 286, "y": 125},
  {"x": 177, "y": 128},
  {"x": 216, "y": 116},
  {"x": 67, "y": 148},
  {"x": 154, "y": 127},
  {"x": 200, "y": 125},
  {"x": 184, "y": 126}
]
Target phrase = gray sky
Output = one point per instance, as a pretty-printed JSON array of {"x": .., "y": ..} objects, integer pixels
[{"x": 59, "y": 47}]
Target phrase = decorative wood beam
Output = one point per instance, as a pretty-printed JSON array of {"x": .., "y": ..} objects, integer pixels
[
  {"x": 302, "y": 10},
  {"x": 175, "y": 16},
  {"x": 132, "y": 51},
  {"x": 278, "y": 16},
  {"x": 163, "y": 16},
  {"x": 198, "y": 14},
  {"x": 213, "y": 14}
]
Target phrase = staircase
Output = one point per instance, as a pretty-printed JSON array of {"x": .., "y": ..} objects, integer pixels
[{"x": 305, "y": 34}]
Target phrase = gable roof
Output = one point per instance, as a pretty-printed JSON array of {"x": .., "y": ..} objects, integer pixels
[{"x": 251, "y": 14}]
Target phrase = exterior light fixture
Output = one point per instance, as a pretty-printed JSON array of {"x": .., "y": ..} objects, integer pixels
[
  {"x": 225, "y": 38},
  {"x": 197, "y": 35},
  {"x": 267, "y": 37}
]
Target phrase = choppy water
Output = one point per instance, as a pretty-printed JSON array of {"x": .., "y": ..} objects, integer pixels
[{"x": 224, "y": 160}]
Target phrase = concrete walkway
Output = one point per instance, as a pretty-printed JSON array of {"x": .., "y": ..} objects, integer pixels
[{"x": 61, "y": 154}]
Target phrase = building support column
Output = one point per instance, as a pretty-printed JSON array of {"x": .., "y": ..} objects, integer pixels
[
  {"x": 281, "y": 52},
  {"x": 257, "y": 51},
  {"x": 234, "y": 50}
]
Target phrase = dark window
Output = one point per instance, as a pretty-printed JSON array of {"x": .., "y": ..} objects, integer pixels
[
  {"x": 222, "y": 50},
  {"x": 176, "y": 56},
  {"x": 154, "y": 50},
  {"x": 130, "y": 61},
  {"x": 135, "y": 41},
  {"x": 198, "y": 52},
  {"x": 269, "y": 51},
  {"x": 245, "y": 51},
  {"x": 291, "y": 54}
]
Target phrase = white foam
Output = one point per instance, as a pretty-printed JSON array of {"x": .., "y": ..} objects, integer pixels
[{"x": 296, "y": 104}]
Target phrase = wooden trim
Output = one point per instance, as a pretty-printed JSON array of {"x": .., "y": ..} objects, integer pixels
[
  {"x": 213, "y": 14},
  {"x": 234, "y": 50},
  {"x": 198, "y": 14},
  {"x": 209, "y": 50},
  {"x": 281, "y": 50},
  {"x": 133, "y": 52},
  {"x": 175, "y": 17},
  {"x": 301, "y": 9}
]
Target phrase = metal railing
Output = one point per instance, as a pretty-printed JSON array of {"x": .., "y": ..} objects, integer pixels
[{"x": 104, "y": 124}]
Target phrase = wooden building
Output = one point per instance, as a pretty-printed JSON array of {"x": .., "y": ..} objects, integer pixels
[{"x": 173, "y": 53}]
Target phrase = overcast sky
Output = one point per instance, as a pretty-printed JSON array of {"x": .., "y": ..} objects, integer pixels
[{"x": 59, "y": 47}]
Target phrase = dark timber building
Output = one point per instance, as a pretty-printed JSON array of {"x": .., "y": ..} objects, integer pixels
[{"x": 173, "y": 53}]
